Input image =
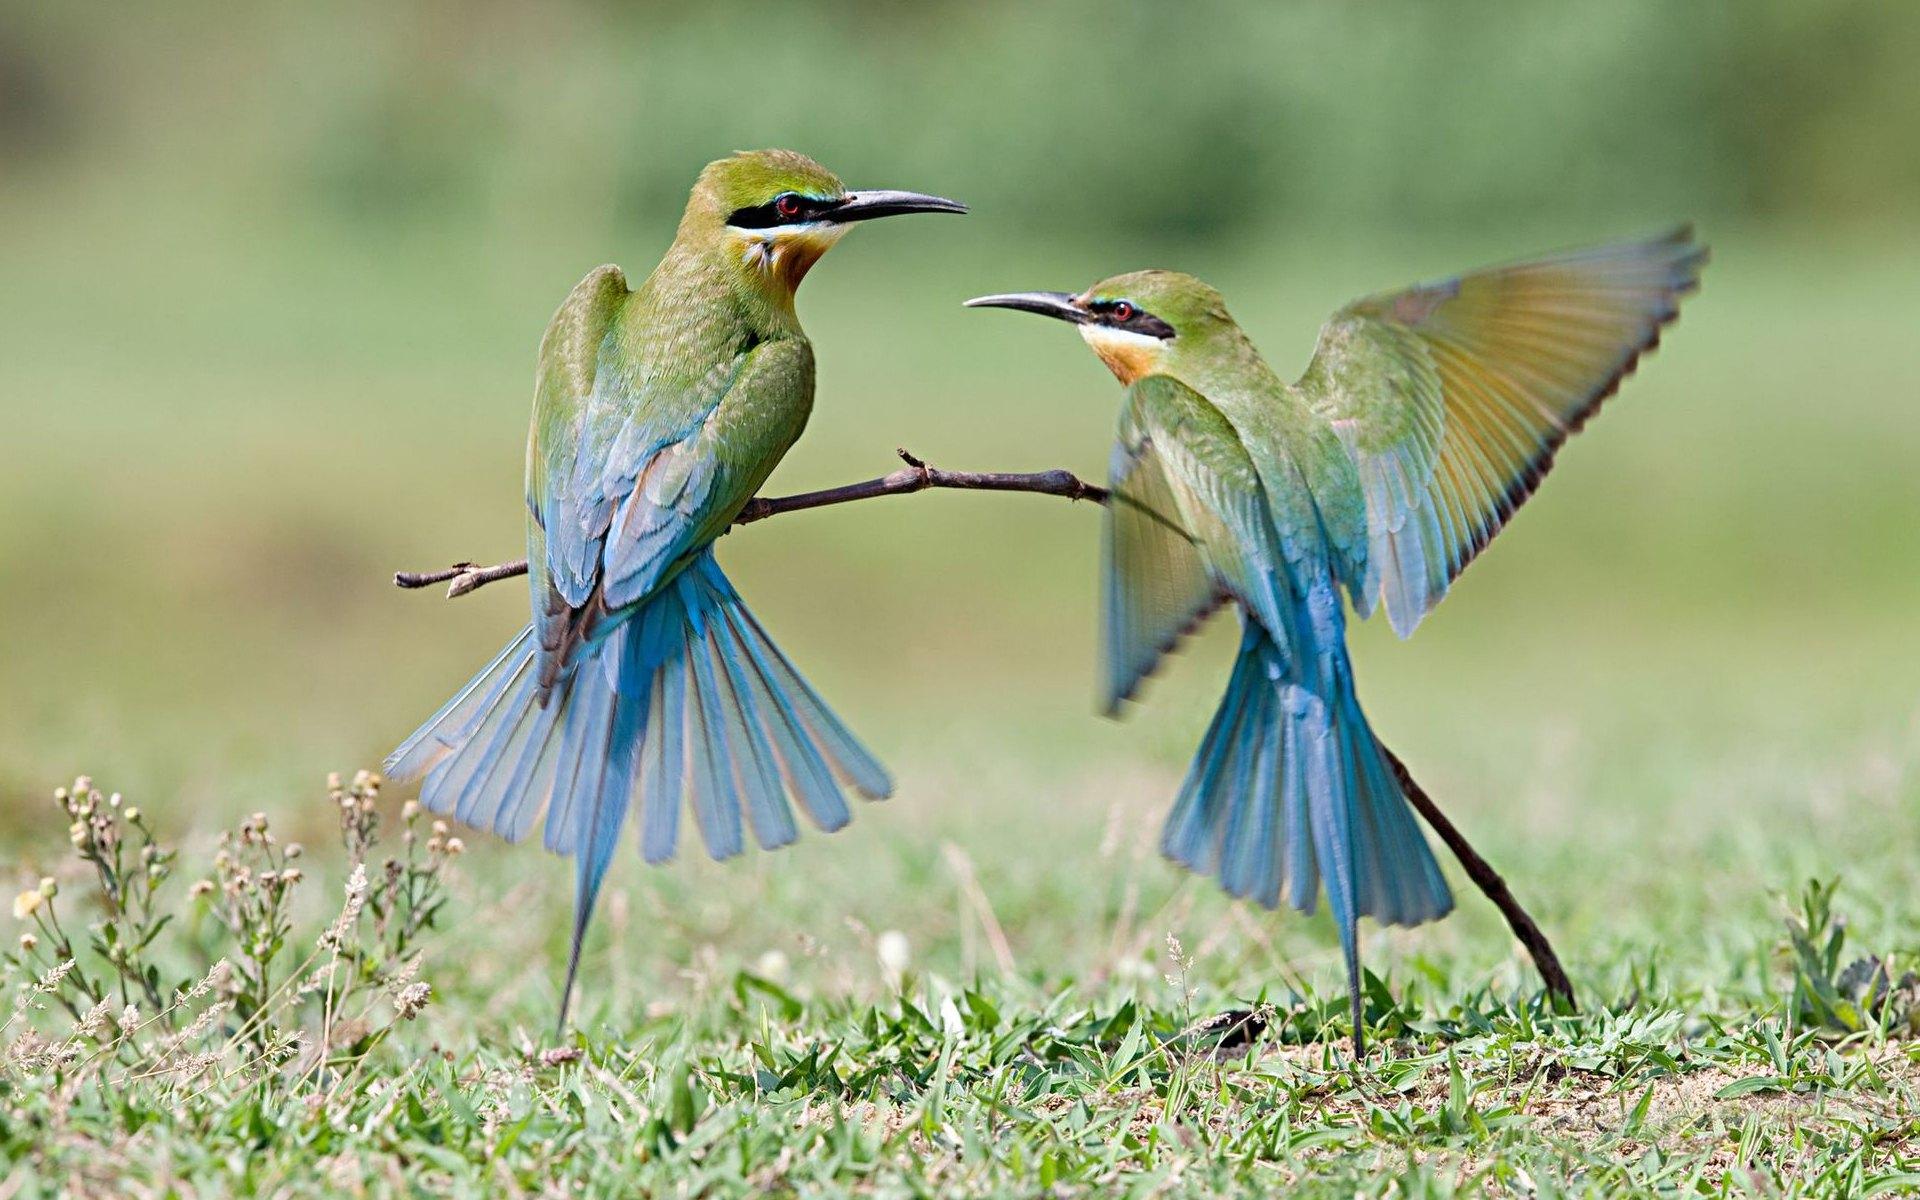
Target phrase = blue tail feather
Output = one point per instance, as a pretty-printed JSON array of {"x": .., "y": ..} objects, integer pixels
[
  {"x": 582, "y": 737},
  {"x": 429, "y": 744},
  {"x": 803, "y": 771},
  {"x": 756, "y": 771},
  {"x": 1187, "y": 836},
  {"x": 1290, "y": 793},
  {"x": 851, "y": 763},
  {"x": 600, "y": 830},
  {"x": 682, "y": 702},
  {"x": 455, "y": 773},
  {"x": 534, "y": 757},
  {"x": 1235, "y": 851},
  {"x": 1299, "y": 871},
  {"x": 1395, "y": 867},
  {"x": 716, "y": 804},
  {"x": 1263, "y": 858},
  {"x": 517, "y": 804},
  {"x": 1246, "y": 841},
  {"x": 663, "y": 753}
]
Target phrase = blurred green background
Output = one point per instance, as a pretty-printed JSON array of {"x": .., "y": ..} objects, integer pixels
[{"x": 274, "y": 276}]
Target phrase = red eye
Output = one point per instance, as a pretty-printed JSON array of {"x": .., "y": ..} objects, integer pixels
[
  {"x": 787, "y": 205},
  {"x": 1123, "y": 312}
]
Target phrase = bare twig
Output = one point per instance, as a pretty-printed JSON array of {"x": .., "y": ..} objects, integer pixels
[
  {"x": 917, "y": 476},
  {"x": 462, "y": 577},
  {"x": 1491, "y": 884}
]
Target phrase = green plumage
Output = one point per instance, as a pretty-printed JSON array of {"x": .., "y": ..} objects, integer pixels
[{"x": 658, "y": 413}]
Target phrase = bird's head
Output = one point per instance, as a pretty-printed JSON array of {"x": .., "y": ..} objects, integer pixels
[
  {"x": 1140, "y": 323},
  {"x": 776, "y": 212}
]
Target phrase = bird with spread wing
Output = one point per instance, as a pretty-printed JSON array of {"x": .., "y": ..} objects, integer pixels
[{"x": 1425, "y": 418}]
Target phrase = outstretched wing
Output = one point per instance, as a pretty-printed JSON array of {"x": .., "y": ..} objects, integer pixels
[
  {"x": 632, "y": 466},
  {"x": 1453, "y": 397},
  {"x": 1186, "y": 528}
]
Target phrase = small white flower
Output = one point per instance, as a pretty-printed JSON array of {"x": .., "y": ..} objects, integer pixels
[
  {"x": 26, "y": 904},
  {"x": 771, "y": 965},
  {"x": 896, "y": 954}
]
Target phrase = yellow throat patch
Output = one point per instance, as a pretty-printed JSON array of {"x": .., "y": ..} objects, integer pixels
[
  {"x": 784, "y": 254},
  {"x": 1128, "y": 355}
]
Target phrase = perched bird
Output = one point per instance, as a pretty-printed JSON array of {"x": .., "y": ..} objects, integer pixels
[
  {"x": 1426, "y": 417},
  {"x": 658, "y": 412}
]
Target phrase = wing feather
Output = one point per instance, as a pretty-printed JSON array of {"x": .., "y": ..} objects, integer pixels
[
  {"x": 1453, "y": 398},
  {"x": 632, "y": 465},
  {"x": 1158, "y": 588},
  {"x": 1187, "y": 528}
]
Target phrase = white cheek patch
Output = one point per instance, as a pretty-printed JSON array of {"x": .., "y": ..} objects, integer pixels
[{"x": 1104, "y": 338}]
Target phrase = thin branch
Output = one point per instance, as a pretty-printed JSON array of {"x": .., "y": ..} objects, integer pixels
[
  {"x": 462, "y": 577},
  {"x": 1491, "y": 884},
  {"x": 917, "y": 476}
]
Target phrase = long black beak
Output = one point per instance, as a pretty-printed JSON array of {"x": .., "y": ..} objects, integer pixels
[
  {"x": 865, "y": 206},
  {"x": 1058, "y": 305}
]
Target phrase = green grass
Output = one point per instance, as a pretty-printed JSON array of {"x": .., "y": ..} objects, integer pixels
[{"x": 1037, "y": 1027}]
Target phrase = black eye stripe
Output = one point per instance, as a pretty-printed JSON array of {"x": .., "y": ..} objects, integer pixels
[
  {"x": 1139, "y": 321},
  {"x": 768, "y": 215}
]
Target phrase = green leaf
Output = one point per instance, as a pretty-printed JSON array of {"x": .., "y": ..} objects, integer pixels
[
  {"x": 1757, "y": 1083},
  {"x": 685, "y": 1100},
  {"x": 1124, "y": 1056},
  {"x": 785, "y": 1003},
  {"x": 1637, "y": 1119}
]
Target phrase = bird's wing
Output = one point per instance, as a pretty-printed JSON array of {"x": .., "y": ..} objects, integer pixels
[
  {"x": 1186, "y": 529},
  {"x": 1452, "y": 397},
  {"x": 631, "y": 469}
]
